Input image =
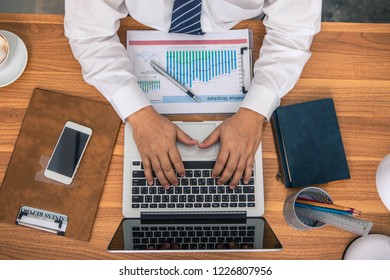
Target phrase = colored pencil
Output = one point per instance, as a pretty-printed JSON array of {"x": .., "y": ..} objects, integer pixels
[
  {"x": 327, "y": 205},
  {"x": 329, "y": 210}
]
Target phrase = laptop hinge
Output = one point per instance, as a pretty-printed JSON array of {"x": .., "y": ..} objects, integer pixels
[{"x": 185, "y": 216}]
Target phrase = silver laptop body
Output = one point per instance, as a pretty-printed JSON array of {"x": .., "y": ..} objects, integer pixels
[
  {"x": 194, "y": 217},
  {"x": 197, "y": 130}
]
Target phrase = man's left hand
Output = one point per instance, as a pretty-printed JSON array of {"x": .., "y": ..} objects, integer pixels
[{"x": 239, "y": 136}]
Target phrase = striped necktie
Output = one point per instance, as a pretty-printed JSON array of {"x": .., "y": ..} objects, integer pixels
[{"x": 186, "y": 17}]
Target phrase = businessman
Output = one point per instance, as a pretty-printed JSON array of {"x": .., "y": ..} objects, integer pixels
[{"x": 91, "y": 26}]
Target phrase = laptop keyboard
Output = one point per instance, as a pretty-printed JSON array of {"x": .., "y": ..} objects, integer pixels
[
  {"x": 193, "y": 237},
  {"x": 197, "y": 189}
]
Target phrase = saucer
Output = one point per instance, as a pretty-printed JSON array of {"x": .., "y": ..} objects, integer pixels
[{"x": 17, "y": 59}]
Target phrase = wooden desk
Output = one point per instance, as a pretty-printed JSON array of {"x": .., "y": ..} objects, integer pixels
[{"x": 350, "y": 63}]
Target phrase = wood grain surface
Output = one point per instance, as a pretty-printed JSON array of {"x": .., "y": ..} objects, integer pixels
[{"x": 350, "y": 63}]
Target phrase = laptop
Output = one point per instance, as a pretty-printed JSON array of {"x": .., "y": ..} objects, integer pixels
[{"x": 198, "y": 214}]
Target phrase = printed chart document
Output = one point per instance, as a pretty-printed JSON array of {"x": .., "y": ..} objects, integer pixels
[{"x": 216, "y": 67}]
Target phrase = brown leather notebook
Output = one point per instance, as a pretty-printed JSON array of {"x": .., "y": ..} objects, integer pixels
[{"x": 24, "y": 183}]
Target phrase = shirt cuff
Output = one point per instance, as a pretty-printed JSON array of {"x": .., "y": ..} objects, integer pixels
[
  {"x": 128, "y": 100},
  {"x": 261, "y": 100}
]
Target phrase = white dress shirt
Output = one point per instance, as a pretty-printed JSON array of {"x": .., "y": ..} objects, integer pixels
[{"x": 91, "y": 27}]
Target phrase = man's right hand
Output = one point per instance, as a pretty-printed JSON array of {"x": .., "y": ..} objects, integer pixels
[{"x": 156, "y": 137}]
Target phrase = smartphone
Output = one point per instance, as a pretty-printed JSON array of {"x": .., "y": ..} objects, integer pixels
[{"x": 67, "y": 154}]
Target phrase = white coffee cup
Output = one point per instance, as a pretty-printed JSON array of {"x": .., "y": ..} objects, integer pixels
[{"x": 4, "y": 51}]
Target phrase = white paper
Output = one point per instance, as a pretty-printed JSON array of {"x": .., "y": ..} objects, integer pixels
[{"x": 213, "y": 66}]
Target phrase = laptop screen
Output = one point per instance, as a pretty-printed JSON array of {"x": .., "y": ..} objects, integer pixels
[{"x": 134, "y": 235}]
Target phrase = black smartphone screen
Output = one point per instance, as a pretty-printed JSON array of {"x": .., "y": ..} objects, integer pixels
[{"x": 68, "y": 152}]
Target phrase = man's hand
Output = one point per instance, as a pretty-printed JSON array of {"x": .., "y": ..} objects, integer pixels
[
  {"x": 156, "y": 137},
  {"x": 239, "y": 136}
]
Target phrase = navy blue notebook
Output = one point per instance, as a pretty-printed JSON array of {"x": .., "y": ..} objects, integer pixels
[{"x": 309, "y": 144}]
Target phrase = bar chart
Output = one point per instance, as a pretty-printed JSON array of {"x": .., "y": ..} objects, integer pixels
[
  {"x": 188, "y": 66},
  {"x": 149, "y": 85}
]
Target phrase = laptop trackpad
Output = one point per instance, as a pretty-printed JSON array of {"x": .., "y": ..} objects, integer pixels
[{"x": 197, "y": 131}]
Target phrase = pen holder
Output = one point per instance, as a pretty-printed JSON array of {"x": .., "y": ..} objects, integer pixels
[{"x": 299, "y": 222}]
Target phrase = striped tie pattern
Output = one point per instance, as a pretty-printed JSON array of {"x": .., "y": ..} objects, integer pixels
[{"x": 186, "y": 17}]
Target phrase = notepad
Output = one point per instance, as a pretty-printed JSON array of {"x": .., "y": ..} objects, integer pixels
[
  {"x": 216, "y": 67},
  {"x": 309, "y": 144}
]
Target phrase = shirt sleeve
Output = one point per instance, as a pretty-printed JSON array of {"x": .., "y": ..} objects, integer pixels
[
  {"x": 91, "y": 26},
  {"x": 290, "y": 27}
]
